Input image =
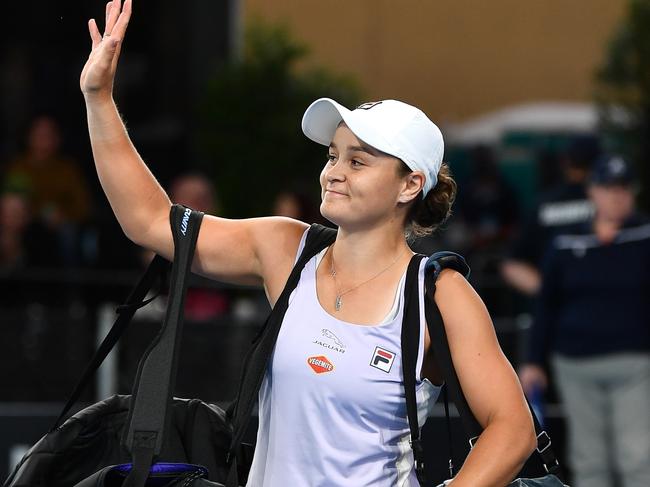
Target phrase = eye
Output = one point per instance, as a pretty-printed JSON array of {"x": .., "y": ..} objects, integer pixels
[
  {"x": 356, "y": 163},
  {"x": 331, "y": 157}
]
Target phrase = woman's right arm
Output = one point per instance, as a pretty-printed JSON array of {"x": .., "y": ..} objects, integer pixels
[{"x": 242, "y": 251}]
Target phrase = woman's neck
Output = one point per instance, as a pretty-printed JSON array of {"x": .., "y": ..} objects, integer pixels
[{"x": 364, "y": 251}]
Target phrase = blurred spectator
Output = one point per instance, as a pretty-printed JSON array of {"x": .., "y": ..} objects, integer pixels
[
  {"x": 57, "y": 190},
  {"x": 24, "y": 241},
  {"x": 195, "y": 191},
  {"x": 593, "y": 319},
  {"x": 25, "y": 244},
  {"x": 487, "y": 203},
  {"x": 564, "y": 205},
  {"x": 297, "y": 204}
]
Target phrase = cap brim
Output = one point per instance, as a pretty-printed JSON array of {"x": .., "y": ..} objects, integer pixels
[
  {"x": 321, "y": 119},
  {"x": 622, "y": 181}
]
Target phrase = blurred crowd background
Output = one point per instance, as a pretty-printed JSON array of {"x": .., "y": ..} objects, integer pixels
[{"x": 527, "y": 94}]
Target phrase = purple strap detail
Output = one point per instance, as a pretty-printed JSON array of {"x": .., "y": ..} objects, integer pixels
[{"x": 166, "y": 468}]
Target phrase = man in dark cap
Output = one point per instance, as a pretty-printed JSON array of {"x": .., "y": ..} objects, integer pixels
[{"x": 593, "y": 320}]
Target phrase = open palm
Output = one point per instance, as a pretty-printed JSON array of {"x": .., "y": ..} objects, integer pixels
[{"x": 99, "y": 71}]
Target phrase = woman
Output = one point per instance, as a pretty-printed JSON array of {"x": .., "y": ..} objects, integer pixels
[{"x": 340, "y": 431}]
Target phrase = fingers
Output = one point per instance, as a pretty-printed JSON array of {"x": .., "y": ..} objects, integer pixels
[
  {"x": 95, "y": 36},
  {"x": 117, "y": 18},
  {"x": 109, "y": 5},
  {"x": 119, "y": 29},
  {"x": 112, "y": 13}
]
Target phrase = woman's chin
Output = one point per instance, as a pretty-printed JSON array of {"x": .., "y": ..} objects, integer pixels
[
  {"x": 327, "y": 212},
  {"x": 342, "y": 220}
]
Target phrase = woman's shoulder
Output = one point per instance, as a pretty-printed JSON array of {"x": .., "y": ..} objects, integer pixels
[
  {"x": 278, "y": 236},
  {"x": 277, "y": 240},
  {"x": 454, "y": 293},
  {"x": 452, "y": 281}
]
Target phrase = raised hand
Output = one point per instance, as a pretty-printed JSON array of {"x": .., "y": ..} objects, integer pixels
[{"x": 97, "y": 76}]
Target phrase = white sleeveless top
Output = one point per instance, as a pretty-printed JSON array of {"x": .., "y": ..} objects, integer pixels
[{"x": 332, "y": 409}]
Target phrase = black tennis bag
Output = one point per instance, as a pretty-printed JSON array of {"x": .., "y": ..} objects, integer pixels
[
  {"x": 151, "y": 438},
  {"x": 114, "y": 442},
  {"x": 91, "y": 440}
]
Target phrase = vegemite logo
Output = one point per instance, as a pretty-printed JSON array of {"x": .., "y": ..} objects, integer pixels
[
  {"x": 382, "y": 359},
  {"x": 320, "y": 364}
]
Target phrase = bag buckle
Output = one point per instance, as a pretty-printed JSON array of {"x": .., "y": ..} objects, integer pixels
[
  {"x": 553, "y": 468},
  {"x": 418, "y": 453},
  {"x": 472, "y": 441},
  {"x": 544, "y": 435}
]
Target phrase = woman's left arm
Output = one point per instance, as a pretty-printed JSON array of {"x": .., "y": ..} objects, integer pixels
[{"x": 489, "y": 384}]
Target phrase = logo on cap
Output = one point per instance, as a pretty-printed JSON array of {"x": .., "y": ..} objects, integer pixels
[
  {"x": 320, "y": 364},
  {"x": 382, "y": 359},
  {"x": 369, "y": 105},
  {"x": 616, "y": 166}
]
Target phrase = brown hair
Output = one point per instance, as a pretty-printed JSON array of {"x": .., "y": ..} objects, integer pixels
[{"x": 427, "y": 214}]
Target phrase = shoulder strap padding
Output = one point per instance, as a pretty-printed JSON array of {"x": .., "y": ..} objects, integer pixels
[
  {"x": 447, "y": 260},
  {"x": 411, "y": 337},
  {"x": 154, "y": 383}
]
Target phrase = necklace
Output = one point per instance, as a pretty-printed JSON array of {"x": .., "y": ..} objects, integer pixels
[{"x": 338, "y": 303}]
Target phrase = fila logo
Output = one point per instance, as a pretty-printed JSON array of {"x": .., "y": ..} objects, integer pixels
[
  {"x": 369, "y": 105},
  {"x": 382, "y": 359},
  {"x": 320, "y": 364}
]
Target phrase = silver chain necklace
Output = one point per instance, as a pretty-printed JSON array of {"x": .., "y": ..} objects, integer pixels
[{"x": 338, "y": 303}]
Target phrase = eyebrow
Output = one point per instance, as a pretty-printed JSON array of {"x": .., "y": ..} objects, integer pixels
[{"x": 360, "y": 148}]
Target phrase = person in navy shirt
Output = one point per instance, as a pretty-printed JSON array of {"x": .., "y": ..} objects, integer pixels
[{"x": 593, "y": 322}]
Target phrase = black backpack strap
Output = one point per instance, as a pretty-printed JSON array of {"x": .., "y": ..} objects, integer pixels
[
  {"x": 410, "y": 345},
  {"x": 411, "y": 339},
  {"x": 149, "y": 412},
  {"x": 436, "y": 263},
  {"x": 434, "y": 266},
  {"x": 257, "y": 359},
  {"x": 135, "y": 301}
]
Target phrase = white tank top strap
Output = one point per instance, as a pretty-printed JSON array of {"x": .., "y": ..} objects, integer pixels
[{"x": 301, "y": 246}]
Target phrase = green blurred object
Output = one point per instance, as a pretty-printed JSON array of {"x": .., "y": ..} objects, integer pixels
[
  {"x": 520, "y": 161},
  {"x": 250, "y": 121},
  {"x": 519, "y": 157},
  {"x": 623, "y": 92}
]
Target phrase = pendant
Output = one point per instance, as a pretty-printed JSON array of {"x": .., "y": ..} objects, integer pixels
[{"x": 338, "y": 303}]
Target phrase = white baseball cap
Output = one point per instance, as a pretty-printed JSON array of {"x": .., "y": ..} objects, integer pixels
[{"x": 391, "y": 126}]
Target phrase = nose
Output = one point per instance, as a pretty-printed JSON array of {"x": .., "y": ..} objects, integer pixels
[{"x": 335, "y": 172}]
